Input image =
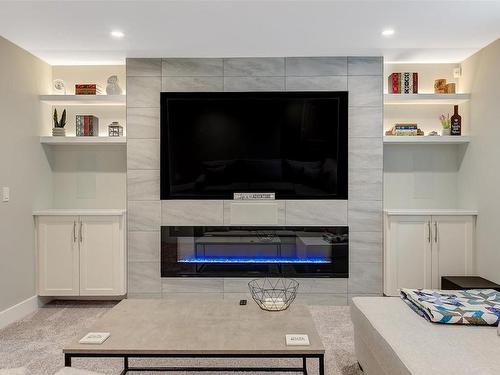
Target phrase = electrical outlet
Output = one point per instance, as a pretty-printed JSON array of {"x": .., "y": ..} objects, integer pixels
[
  {"x": 457, "y": 72},
  {"x": 5, "y": 194}
]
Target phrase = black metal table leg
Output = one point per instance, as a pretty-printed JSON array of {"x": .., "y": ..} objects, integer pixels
[
  {"x": 126, "y": 366},
  {"x": 125, "y": 363},
  {"x": 321, "y": 364},
  {"x": 67, "y": 360}
]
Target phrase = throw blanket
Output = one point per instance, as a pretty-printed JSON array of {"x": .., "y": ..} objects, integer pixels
[{"x": 475, "y": 307}]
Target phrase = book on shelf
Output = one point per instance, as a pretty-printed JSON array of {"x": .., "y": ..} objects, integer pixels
[
  {"x": 87, "y": 125},
  {"x": 87, "y": 89},
  {"x": 393, "y": 83},
  {"x": 403, "y": 83}
]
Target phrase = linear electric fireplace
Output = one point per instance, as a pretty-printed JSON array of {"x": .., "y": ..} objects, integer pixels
[{"x": 254, "y": 251}]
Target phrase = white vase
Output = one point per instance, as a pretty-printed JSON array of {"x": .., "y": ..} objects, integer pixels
[{"x": 445, "y": 132}]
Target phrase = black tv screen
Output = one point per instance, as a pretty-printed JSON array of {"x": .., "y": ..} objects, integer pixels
[{"x": 293, "y": 144}]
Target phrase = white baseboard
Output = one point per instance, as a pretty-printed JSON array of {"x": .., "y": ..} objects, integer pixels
[{"x": 18, "y": 311}]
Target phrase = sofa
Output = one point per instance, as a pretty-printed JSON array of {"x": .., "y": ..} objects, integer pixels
[{"x": 391, "y": 339}]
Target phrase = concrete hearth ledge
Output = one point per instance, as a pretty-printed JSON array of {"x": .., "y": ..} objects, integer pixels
[{"x": 165, "y": 327}]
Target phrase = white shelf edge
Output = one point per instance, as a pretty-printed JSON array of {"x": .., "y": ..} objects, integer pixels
[
  {"x": 430, "y": 211},
  {"x": 110, "y": 100},
  {"x": 80, "y": 212},
  {"x": 425, "y": 98},
  {"x": 423, "y": 140},
  {"x": 90, "y": 141}
]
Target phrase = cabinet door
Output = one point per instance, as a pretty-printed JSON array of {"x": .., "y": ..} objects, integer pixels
[
  {"x": 408, "y": 253},
  {"x": 102, "y": 256},
  {"x": 453, "y": 242},
  {"x": 57, "y": 246}
]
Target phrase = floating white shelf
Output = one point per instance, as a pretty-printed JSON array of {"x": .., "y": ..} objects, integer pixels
[
  {"x": 80, "y": 212},
  {"x": 430, "y": 140},
  {"x": 110, "y": 100},
  {"x": 425, "y": 98},
  {"x": 430, "y": 211},
  {"x": 89, "y": 141}
]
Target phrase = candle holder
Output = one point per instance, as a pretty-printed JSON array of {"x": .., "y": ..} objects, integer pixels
[{"x": 115, "y": 130}]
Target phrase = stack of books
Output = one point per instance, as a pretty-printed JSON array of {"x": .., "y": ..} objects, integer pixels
[
  {"x": 87, "y": 89},
  {"x": 87, "y": 125},
  {"x": 405, "y": 129},
  {"x": 403, "y": 83}
]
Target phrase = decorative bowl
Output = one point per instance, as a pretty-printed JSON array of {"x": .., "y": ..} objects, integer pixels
[{"x": 275, "y": 294}]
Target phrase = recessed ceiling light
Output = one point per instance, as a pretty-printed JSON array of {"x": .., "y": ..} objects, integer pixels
[
  {"x": 117, "y": 34},
  {"x": 388, "y": 32}
]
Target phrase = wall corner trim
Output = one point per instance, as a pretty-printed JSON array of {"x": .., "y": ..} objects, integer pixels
[{"x": 18, "y": 311}]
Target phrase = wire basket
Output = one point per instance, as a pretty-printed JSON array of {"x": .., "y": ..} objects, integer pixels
[{"x": 273, "y": 294}]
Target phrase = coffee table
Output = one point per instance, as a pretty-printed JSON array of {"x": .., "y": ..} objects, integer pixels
[{"x": 191, "y": 329}]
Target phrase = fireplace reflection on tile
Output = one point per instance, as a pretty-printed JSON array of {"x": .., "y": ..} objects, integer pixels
[{"x": 247, "y": 251}]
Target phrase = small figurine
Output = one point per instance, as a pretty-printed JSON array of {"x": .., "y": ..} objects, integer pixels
[{"x": 113, "y": 88}]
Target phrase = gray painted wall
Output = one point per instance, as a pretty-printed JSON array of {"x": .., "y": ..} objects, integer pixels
[
  {"x": 24, "y": 167},
  {"x": 478, "y": 176},
  {"x": 361, "y": 76}
]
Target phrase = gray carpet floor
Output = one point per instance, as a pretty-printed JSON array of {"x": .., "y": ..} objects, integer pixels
[{"x": 36, "y": 342}]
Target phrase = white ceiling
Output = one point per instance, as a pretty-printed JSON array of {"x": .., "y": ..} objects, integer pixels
[{"x": 78, "y": 32}]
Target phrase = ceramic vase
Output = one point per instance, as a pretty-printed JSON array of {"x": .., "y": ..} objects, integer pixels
[{"x": 58, "y": 132}]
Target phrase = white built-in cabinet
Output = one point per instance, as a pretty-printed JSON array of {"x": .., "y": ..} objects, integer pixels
[
  {"x": 421, "y": 246},
  {"x": 58, "y": 256},
  {"x": 81, "y": 255}
]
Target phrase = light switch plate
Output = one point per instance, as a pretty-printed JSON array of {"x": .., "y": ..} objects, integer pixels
[
  {"x": 457, "y": 72},
  {"x": 5, "y": 194}
]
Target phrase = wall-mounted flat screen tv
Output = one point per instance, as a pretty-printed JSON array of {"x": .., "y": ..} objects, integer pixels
[{"x": 293, "y": 144}]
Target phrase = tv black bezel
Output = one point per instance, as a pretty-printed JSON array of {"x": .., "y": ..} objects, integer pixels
[{"x": 342, "y": 175}]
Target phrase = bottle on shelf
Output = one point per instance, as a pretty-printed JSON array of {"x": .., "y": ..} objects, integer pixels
[{"x": 456, "y": 122}]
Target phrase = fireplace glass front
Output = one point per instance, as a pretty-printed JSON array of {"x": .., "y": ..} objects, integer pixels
[{"x": 254, "y": 251}]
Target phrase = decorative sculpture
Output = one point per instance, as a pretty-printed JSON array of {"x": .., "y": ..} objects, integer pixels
[
  {"x": 59, "y": 87},
  {"x": 113, "y": 88}
]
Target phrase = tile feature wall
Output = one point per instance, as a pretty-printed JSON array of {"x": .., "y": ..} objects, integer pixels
[{"x": 361, "y": 76}]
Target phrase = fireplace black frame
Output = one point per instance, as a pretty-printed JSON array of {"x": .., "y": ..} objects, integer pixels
[{"x": 335, "y": 266}]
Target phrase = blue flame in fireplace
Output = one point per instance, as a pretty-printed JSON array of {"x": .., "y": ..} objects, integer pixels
[{"x": 216, "y": 259}]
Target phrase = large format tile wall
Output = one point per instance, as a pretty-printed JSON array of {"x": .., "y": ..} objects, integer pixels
[{"x": 361, "y": 76}]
